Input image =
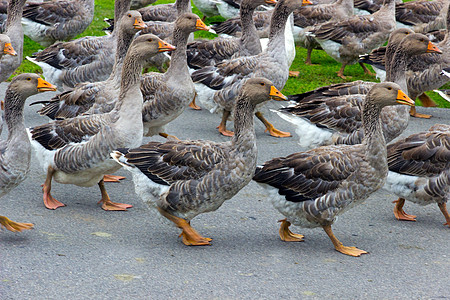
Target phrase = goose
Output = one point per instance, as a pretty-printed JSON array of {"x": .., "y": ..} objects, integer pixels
[
  {"x": 221, "y": 83},
  {"x": 13, "y": 29},
  {"x": 136, "y": 4},
  {"x": 207, "y": 7},
  {"x": 312, "y": 188},
  {"x": 233, "y": 26},
  {"x": 210, "y": 52},
  {"x": 419, "y": 170},
  {"x": 183, "y": 179},
  {"x": 76, "y": 151},
  {"x": 332, "y": 114},
  {"x": 165, "y": 12},
  {"x": 345, "y": 40},
  {"x": 16, "y": 150},
  {"x": 418, "y": 14},
  {"x": 228, "y": 8},
  {"x": 69, "y": 103},
  {"x": 313, "y": 15},
  {"x": 57, "y": 20},
  {"x": 86, "y": 59}
]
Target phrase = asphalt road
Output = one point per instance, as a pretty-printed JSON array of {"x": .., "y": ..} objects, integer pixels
[{"x": 82, "y": 252}]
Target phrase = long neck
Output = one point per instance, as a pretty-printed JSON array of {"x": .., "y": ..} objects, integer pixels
[
  {"x": 178, "y": 63},
  {"x": 14, "y": 114},
  {"x": 250, "y": 37},
  {"x": 277, "y": 27},
  {"x": 373, "y": 134},
  {"x": 244, "y": 131},
  {"x": 120, "y": 8},
  {"x": 14, "y": 11},
  {"x": 183, "y": 6},
  {"x": 124, "y": 39},
  {"x": 396, "y": 66}
]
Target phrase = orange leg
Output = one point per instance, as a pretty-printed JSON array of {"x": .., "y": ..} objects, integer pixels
[
  {"x": 112, "y": 178},
  {"x": 399, "y": 212},
  {"x": 340, "y": 73},
  {"x": 49, "y": 201},
  {"x": 366, "y": 71},
  {"x": 287, "y": 235},
  {"x": 443, "y": 208},
  {"x": 415, "y": 114},
  {"x": 352, "y": 251},
  {"x": 193, "y": 105},
  {"x": 223, "y": 124},
  {"x": 14, "y": 226},
  {"x": 107, "y": 204},
  {"x": 190, "y": 236},
  {"x": 169, "y": 136},
  {"x": 269, "y": 127}
]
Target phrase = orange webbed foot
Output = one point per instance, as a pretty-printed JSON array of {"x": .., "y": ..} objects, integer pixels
[
  {"x": 287, "y": 235},
  {"x": 14, "y": 226},
  {"x": 112, "y": 178}
]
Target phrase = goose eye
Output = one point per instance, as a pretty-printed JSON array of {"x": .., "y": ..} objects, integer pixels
[
  {"x": 389, "y": 88},
  {"x": 129, "y": 16},
  {"x": 150, "y": 40},
  {"x": 262, "y": 84},
  {"x": 29, "y": 78}
]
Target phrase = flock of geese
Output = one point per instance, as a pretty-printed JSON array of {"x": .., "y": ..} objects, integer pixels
[{"x": 106, "y": 105}]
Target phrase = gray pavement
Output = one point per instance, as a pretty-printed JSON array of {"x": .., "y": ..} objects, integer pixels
[{"x": 82, "y": 252}]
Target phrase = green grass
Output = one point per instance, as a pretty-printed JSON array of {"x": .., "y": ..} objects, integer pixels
[{"x": 311, "y": 77}]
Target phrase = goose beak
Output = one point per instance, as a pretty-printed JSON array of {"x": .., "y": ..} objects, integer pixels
[
  {"x": 271, "y": 1},
  {"x": 276, "y": 94},
  {"x": 201, "y": 26},
  {"x": 402, "y": 98},
  {"x": 164, "y": 46},
  {"x": 432, "y": 48},
  {"x": 44, "y": 86},
  {"x": 306, "y": 2},
  {"x": 8, "y": 49},
  {"x": 139, "y": 24}
]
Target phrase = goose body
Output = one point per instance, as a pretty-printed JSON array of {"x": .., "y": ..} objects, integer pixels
[
  {"x": 186, "y": 178},
  {"x": 207, "y": 7},
  {"x": 165, "y": 12},
  {"x": 56, "y": 20},
  {"x": 136, "y": 4},
  {"x": 312, "y": 188},
  {"x": 419, "y": 170},
  {"x": 76, "y": 151},
  {"x": 332, "y": 114},
  {"x": 16, "y": 150}
]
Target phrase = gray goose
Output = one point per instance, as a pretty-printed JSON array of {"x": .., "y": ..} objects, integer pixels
[
  {"x": 217, "y": 86},
  {"x": 312, "y": 188},
  {"x": 207, "y": 53},
  {"x": 164, "y": 12},
  {"x": 76, "y": 151},
  {"x": 136, "y": 4},
  {"x": 419, "y": 170},
  {"x": 72, "y": 103},
  {"x": 183, "y": 179},
  {"x": 207, "y": 7},
  {"x": 13, "y": 29},
  {"x": 345, "y": 40},
  {"x": 332, "y": 114},
  {"x": 86, "y": 59},
  {"x": 16, "y": 150},
  {"x": 57, "y": 20}
]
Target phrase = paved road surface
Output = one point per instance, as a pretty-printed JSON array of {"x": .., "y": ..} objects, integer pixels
[{"x": 83, "y": 252}]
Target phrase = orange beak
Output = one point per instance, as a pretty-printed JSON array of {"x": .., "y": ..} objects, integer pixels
[
  {"x": 276, "y": 94},
  {"x": 164, "y": 46},
  {"x": 8, "y": 49},
  {"x": 432, "y": 48},
  {"x": 201, "y": 26},
  {"x": 139, "y": 24},
  {"x": 271, "y": 1},
  {"x": 306, "y": 2},
  {"x": 44, "y": 86},
  {"x": 402, "y": 98}
]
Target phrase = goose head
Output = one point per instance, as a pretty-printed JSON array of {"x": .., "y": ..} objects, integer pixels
[
  {"x": 398, "y": 35},
  {"x": 5, "y": 44},
  {"x": 418, "y": 43},
  {"x": 132, "y": 21},
  {"x": 28, "y": 84},
  {"x": 190, "y": 22},
  {"x": 388, "y": 93},
  {"x": 148, "y": 45},
  {"x": 259, "y": 90}
]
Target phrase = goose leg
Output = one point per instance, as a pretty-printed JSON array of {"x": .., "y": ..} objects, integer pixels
[
  {"x": 287, "y": 235},
  {"x": 443, "y": 208},
  {"x": 415, "y": 114},
  {"x": 399, "y": 213},
  {"x": 366, "y": 71},
  {"x": 49, "y": 201},
  {"x": 308, "y": 57},
  {"x": 193, "y": 105},
  {"x": 190, "y": 236},
  {"x": 14, "y": 226},
  {"x": 107, "y": 204},
  {"x": 340, "y": 73},
  {"x": 169, "y": 136},
  {"x": 269, "y": 127},
  {"x": 352, "y": 251},
  {"x": 223, "y": 124},
  {"x": 426, "y": 100},
  {"x": 112, "y": 178}
]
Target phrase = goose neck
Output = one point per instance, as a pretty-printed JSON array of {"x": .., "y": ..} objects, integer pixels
[
  {"x": 120, "y": 8},
  {"x": 14, "y": 118},
  {"x": 396, "y": 66},
  {"x": 250, "y": 37},
  {"x": 183, "y": 6},
  {"x": 244, "y": 132},
  {"x": 124, "y": 39},
  {"x": 178, "y": 63},
  {"x": 14, "y": 11},
  {"x": 373, "y": 134},
  {"x": 277, "y": 27}
]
